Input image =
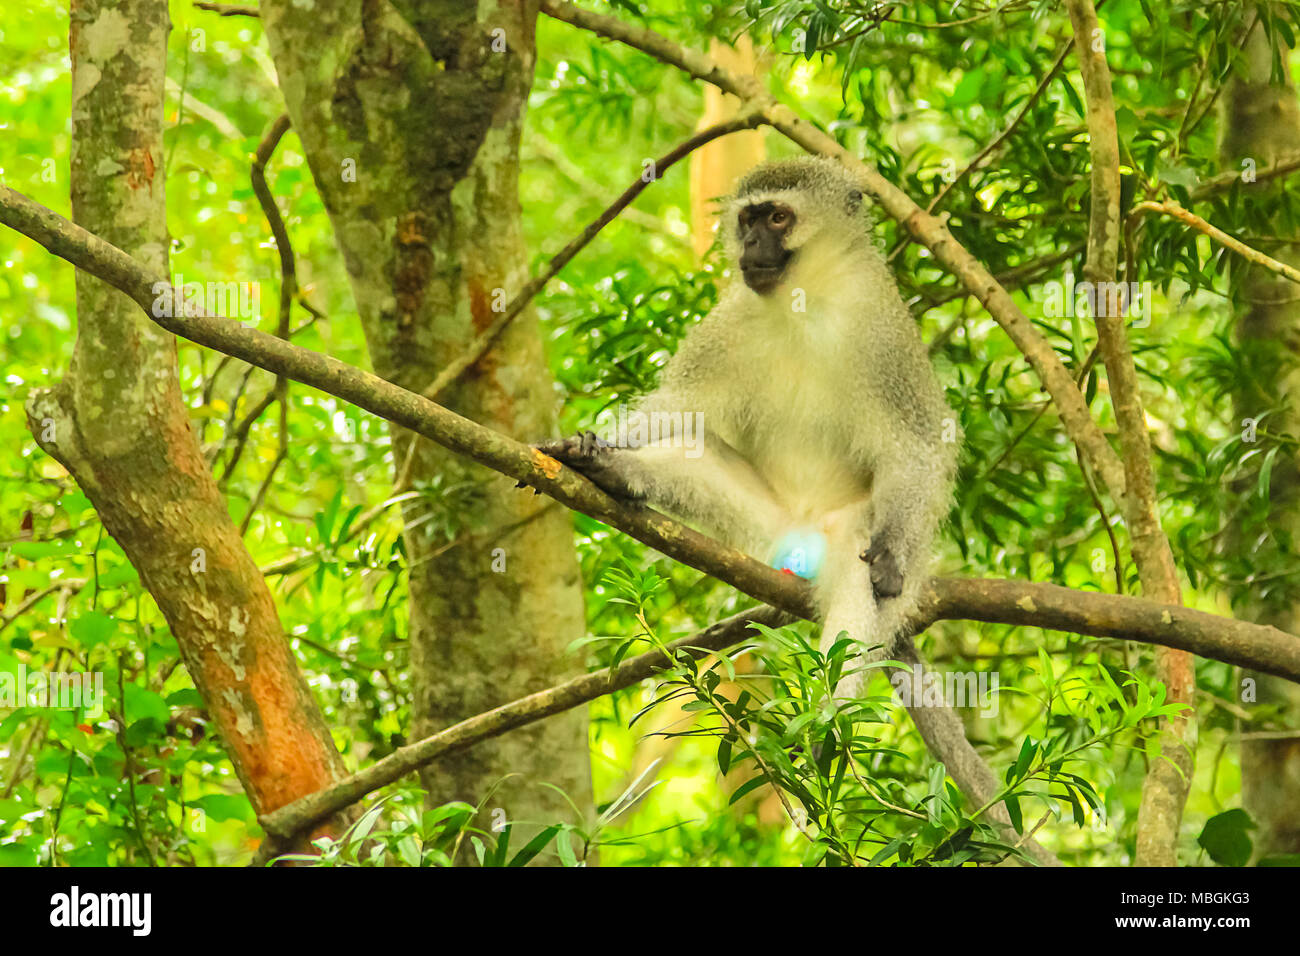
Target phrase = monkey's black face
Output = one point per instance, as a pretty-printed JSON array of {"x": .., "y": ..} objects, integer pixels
[{"x": 763, "y": 229}]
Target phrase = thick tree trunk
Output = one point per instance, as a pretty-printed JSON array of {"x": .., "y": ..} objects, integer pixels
[
  {"x": 117, "y": 422},
  {"x": 410, "y": 115},
  {"x": 1261, "y": 122}
]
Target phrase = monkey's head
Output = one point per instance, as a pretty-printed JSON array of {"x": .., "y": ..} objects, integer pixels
[{"x": 792, "y": 210}]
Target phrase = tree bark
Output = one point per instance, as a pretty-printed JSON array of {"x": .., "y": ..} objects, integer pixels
[
  {"x": 1261, "y": 122},
  {"x": 118, "y": 423},
  {"x": 410, "y": 115}
]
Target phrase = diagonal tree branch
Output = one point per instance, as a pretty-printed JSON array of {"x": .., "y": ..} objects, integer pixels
[{"x": 394, "y": 403}]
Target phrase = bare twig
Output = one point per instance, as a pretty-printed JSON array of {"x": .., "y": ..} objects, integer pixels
[
  {"x": 31, "y": 600},
  {"x": 1170, "y": 208},
  {"x": 1007, "y": 130},
  {"x": 237, "y": 436},
  {"x": 288, "y": 293},
  {"x": 282, "y": 452},
  {"x": 1282, "y": 166},
  {"x": 229, "y": 9}
]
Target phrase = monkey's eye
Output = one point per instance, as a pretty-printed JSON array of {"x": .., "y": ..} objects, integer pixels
[{"x": 779, "y": 217}]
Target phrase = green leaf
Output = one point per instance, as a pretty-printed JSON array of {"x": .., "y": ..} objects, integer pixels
[
  {"x": 564, "y": 847},
  {"x": 1266, "y": 472},
  {"x": 17, "y": 854},
  {"x": 361, "y": 829},
  {"x": 92, "y": 628},
  {"x": 1027, "y": 752},
  {"x": 887, "y": 850},
  {"x": 1075, "y": 806},
  {"x": 454, "y": 815},
  {"x": 142, "y": 704},
  {"x": 185, "y": 697},
  {"x": 724, "y": 754},
  {"x": 747, "y": 787},
  {"x": 1073, "y": 96},
  {"x": 1225, "y": 838},
  {"x": 35, "y": 550},
  {"x": 408, "y": 851},
  {"x": 968, "y": 88},
  {"x": 1013, "y": 811},
  {"x": 534, "y": 846},
  {"x": 225, "y": 806},
  {"x": 1045, "y": 672},
  {"x": 498, "y": 857}
]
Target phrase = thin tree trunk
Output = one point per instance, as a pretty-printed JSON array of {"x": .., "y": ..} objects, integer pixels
[
  {"x": 1169, "y": 776},
  {"x": 118, "y": 423},
  {"x": 410, "y": 117},
  {"x": 1261, "y": 122}
]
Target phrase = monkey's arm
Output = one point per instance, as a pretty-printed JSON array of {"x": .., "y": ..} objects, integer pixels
[
  {"x": 714, "y": 488},
  {"x": 909, "y": 500}
]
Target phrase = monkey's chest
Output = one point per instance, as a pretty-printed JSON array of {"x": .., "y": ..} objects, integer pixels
[
  {"x": 801, "y": 437},
  {"x": 810, "y": 479}
]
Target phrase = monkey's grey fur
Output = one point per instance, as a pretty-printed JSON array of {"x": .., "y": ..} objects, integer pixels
[{"x": 828, "y": 418}]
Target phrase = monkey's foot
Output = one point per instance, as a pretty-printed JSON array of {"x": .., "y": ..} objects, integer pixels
[
  {"x": 592, "y": 456},
  {"x": 579, "y": 452},
  {"x": 886, "y": 579}
]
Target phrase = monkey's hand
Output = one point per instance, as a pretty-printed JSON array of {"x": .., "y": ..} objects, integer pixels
[
  {"x": 593, "y": 457},
  {"x": 886, "y": 579}
]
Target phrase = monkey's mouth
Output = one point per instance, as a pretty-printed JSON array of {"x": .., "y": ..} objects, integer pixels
[{"x": 762, "y": 278}]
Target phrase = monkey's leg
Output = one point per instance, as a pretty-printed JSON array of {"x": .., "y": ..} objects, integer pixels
[
  {"x": 845, "y": 597},
  {"x": 711, "y": 486}
]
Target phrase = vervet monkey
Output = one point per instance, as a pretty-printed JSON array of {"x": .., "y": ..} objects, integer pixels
[{"x": 827, "y": 447}]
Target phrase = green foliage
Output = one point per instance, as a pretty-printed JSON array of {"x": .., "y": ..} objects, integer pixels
[
  {"x": 148, "y": 781},
  {"x": 394, "y": 832},
  {"x": 843, "y": 787}
]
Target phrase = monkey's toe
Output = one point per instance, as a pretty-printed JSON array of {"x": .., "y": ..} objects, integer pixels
[
  {"x": 886, "y": 578},
  {"x": 576, "y": 451},
  {"x": 886, "y": 584}
]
